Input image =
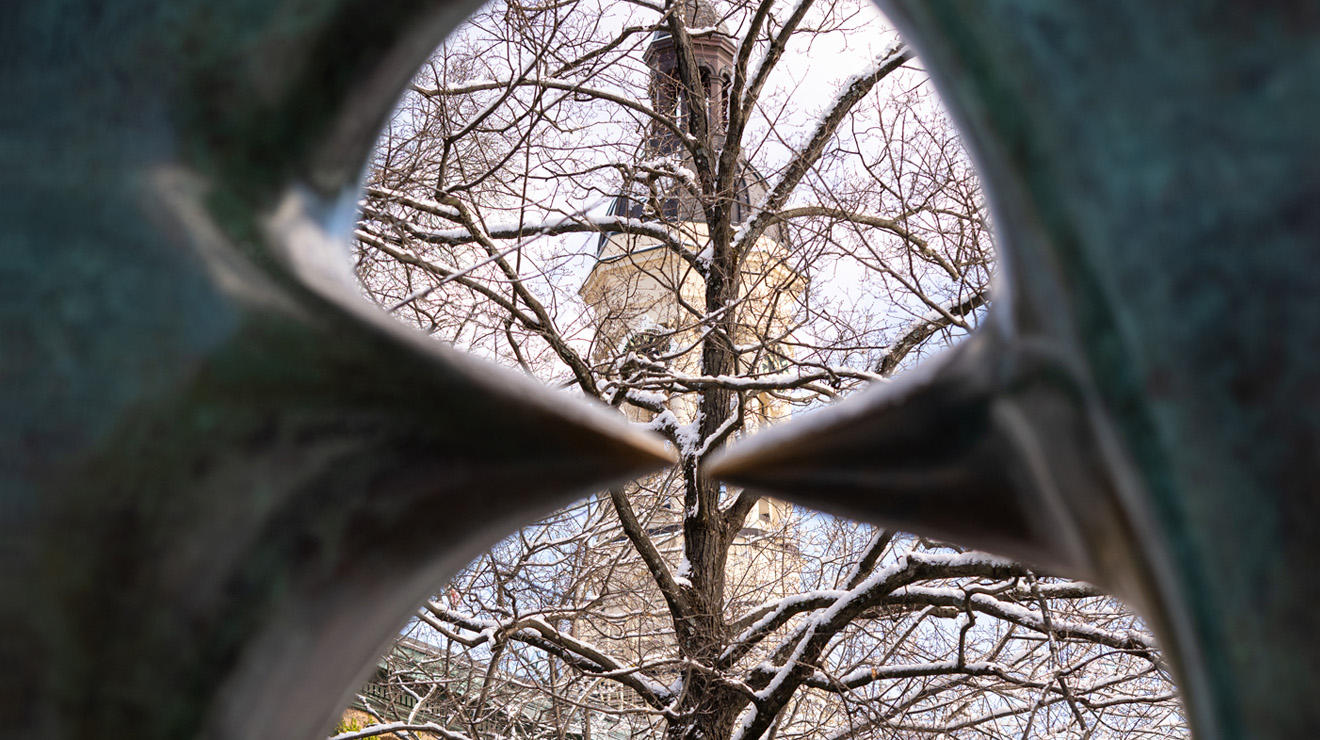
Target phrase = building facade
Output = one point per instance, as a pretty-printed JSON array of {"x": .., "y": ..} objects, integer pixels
[{"x": 647, "y": 299}]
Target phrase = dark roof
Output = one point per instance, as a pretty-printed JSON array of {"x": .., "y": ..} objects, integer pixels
[
  {"x": 698, "y": 14},
  {"x": 701, "y": 14}
]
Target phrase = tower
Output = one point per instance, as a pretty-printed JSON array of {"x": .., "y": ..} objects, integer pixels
[
  {"x": 713, "y": 51},
  {"x": 640, "y": 290},
  {"x": 646, "y": 295}
]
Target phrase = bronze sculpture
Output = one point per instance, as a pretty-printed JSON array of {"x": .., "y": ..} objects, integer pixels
[{"x": 213, "y": 460}]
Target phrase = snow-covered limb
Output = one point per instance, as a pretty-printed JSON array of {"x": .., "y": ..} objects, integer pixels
[
  {"x": 393, "y": 727},
  {"x": 540, "y": 321},
  {"x": 875, "y": 548},
  {"x": 581, "y": 654},
  {"x": 383, "y": 244},
  {"x": 803, "y": 160},
  {"x": 727, "y": 427},
  {"x": 1133, "y": 641},
  {"x": 897, "y": 227},
  {"x": 671, "y": 589},
  {"x": 795, "y": 659},
  {"x": 782, "y": 381},
  {"x": 671, "y": 167},
  {"x": 570, "y": 86},
  {"x": 1056, "y": 591},
  {"x": 773, "y": 615},
  {"x": 653, "y": 402},
  {"x": 667, "y": 425},
  {"x": 425, "y": 205},
  {"x": 923, "y": 328},
  {"x": 982, "y": 720},
  {"x": 695, "y": 114},
  {"x": 834, "y": 606},
  {"x": 868, "y": 674},
  {"x": 551, "y": 226}
]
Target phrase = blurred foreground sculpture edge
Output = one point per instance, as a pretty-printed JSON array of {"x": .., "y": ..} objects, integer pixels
[
  {"x": 226, "y": 479},
  {"x": 215, "y": 466}
]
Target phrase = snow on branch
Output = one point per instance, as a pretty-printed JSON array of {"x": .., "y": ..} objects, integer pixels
[
  {"x": 425, "y": 205},
  {"x": 784, "y": 381},
  {"x": 868, "y": 674},
  {"x": 1133, "y": 641},
  {"x": 574, "y": 223},
  {"x": 852, "y": 92},
  {"x": 536, "y": 632},
  {"x": 393, "y": 727},
  {"x": 836, "y": 608},
  {"x": 919, "y": 330},
  {"x": 566, "y": 85},
  {"x": 777, "y": 683}
]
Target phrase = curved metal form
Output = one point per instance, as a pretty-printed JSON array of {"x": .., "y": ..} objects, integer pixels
[
  {"x": 226, "y": 479},
  {"x": 222, "y": 479},
  {"x": 1142, "y": 407}
]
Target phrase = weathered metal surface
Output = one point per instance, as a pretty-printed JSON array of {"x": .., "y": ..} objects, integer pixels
[
  {"x": 1143, "y": 406},
  {"x": 224, "y": 479}
]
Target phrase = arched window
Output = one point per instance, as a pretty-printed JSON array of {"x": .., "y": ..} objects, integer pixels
[{"x": 651, "y": 343}]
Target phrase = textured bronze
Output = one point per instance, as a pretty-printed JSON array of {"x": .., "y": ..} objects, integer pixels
[
  {"x": 223, "y": 481},
  {"x": 226, "y": 478}
]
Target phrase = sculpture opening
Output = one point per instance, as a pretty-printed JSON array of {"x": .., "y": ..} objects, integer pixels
[
  {"x": 703, "y": 217},
  {"x": 225, "y": 479}
]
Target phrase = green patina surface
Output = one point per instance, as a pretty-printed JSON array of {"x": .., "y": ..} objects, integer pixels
[
  {"x": 1166, "y": 154},
  {"x": 199, "y": 453}
]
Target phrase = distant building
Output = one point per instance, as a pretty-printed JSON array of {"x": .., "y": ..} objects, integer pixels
[
  {"x": 637, "y": 290},
  {"x": 637, "y": 287},
  {"x": 449, "y": 683}
]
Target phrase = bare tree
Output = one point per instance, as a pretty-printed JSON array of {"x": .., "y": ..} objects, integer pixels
[{"x": 652, "y": 205}]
